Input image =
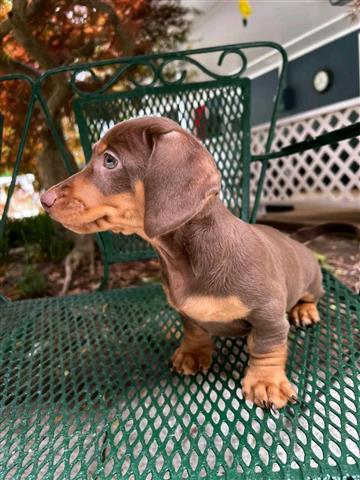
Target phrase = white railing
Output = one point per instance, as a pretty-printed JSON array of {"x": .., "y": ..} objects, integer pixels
[{"x": 328, "y": 175}]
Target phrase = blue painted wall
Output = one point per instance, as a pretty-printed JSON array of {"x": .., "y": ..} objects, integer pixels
[{"x": 340, "y": 56}]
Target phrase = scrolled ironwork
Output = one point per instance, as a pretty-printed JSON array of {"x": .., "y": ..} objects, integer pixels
[
  {"x": 113, "y": 79},
  {"x": 156, "y": 66}
]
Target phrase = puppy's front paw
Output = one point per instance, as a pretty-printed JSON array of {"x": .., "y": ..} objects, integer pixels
[
  {"x": 304, "y": 314},
  {"x": 189, "y": 362},
  {"x": 268, "y": 387}
]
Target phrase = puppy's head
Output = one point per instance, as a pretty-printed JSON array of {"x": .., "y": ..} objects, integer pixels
[{"x": 146, "y": 176}]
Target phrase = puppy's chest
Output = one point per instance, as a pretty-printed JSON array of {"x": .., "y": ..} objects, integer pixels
[
  {"x": 214, "y": 309},
  {"x": 208, "y": 308},
  {"x": 203, "y": 308}
]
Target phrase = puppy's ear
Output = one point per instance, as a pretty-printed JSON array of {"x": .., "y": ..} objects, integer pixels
[{"x": 181, "y": 177}]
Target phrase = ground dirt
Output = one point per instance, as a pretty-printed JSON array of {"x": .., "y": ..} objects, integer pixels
[{"x": 340, "y": 254}]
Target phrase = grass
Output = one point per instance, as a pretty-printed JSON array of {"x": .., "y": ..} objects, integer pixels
[
  {"x": 38, "y": 242},
  {"x": 32, "y": 283},
  {"x": 35, "y": 233}
]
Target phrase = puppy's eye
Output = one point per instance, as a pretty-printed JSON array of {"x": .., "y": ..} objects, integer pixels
[{"x": 110, "y": 161}]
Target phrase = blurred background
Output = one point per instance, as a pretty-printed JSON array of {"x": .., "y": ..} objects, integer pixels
[{"x": 322, "y": 39}]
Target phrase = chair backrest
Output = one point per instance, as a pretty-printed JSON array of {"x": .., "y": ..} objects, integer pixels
[{"x": 217, "y": 112}]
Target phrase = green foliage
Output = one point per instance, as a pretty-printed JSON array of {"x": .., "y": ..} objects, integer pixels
[
  {"x": 38, "y": 236},
  {"x": 320, "y": 258},
  {"x": 4, "y": 245},
  {"x": 32, "y": 282}
]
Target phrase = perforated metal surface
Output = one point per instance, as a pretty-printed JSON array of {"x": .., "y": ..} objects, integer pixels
[
  {"x": 86, "y": 392},
  {"x": 216, "y": 112}
]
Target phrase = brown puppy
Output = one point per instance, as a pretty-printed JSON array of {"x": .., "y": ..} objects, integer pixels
[{"x": 226, "y": 277}]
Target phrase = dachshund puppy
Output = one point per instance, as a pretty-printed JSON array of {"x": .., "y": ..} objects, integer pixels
[{"x": 225, "y": 277}]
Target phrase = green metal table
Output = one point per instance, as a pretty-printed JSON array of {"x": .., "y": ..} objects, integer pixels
[{"x": 87, "y": 393}]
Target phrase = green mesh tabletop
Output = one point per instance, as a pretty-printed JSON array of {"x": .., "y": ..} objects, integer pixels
[{"x": 86, "y": 393}]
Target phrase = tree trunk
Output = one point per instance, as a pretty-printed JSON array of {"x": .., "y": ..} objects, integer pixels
[{"x": 50, "y": 165}]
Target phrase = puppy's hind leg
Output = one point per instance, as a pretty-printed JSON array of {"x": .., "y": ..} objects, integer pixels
[{"x": 305, "y": 312}]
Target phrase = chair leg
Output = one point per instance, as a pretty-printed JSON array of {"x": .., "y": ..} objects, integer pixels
[{"x": 105, "y": 277}]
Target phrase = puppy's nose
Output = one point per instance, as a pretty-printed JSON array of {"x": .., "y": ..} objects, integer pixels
[{"x": 48, "y": 199}]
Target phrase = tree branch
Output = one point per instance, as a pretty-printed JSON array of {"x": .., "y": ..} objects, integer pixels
[
  {"x": 86, "y": 50},
  {"x": 10, "y": 65},
  {"x": 24, "y": 37},
  {"x": 127, "y": 44},
  {"x": 31, "y": 10},
  {"x": 38, "y": 52},
  {"x": 34, "y": 8},
  {"x": 26, "y": 12},
  {"x": 5, "y": 28},
  {"x": 19, "y": 6}
]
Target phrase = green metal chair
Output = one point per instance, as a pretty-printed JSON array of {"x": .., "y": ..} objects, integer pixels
[{"x": 85, "y": 387}]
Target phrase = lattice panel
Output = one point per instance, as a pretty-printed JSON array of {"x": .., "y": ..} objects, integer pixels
[
  {"x": 330, "y": 174},
  {"x": 86, "y": 393}
]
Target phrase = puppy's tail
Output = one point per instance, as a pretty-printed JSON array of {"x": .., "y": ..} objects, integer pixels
[{"x": 306, "y": 234}]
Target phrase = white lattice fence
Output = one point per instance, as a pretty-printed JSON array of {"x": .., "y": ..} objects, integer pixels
[{"x": 329, "y": 174}]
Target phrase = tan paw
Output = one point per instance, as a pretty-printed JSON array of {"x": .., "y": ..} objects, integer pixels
[
  {"x": 268, "y": 388},
  {"x": 190, "y": 363},
  {"x": 304, "y": 314}
]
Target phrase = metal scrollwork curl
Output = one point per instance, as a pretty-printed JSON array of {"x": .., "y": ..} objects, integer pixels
[
  {"x": 216, "y": 76},
  {"x": 241, "y": 54},
  {"x": 115, "y": 77},
  {"x": 162, "y": 74},
  {"x": 156, "y": 72},
  {"x": 74, "y": 79},
  {"x": 152, "y": 68}
]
